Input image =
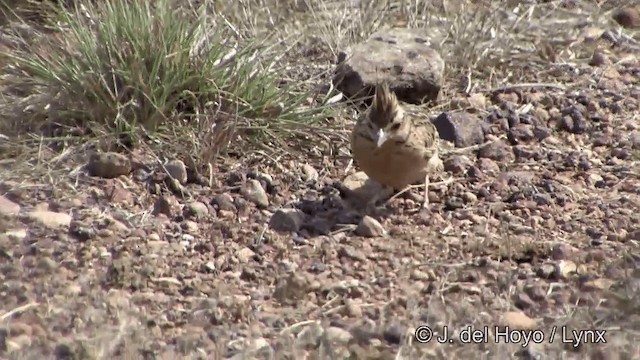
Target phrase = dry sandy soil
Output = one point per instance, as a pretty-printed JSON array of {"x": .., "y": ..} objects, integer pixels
[{"x": 539, "y": 231}]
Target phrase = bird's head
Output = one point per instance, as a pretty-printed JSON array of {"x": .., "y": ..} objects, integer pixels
[{"x": 386, "y": 118}]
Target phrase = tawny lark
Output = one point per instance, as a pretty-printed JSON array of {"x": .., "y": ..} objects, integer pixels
[{"x": 395, "y": 146}]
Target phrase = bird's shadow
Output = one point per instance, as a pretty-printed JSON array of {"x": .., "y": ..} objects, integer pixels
[{"x": 334, "y": 208}]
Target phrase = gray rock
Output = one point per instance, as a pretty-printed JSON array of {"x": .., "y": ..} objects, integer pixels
[
  {"x": 565, "y": 268},
  {"x": 535, "y": 291},
  {"x": 309, "y": 173},
  {"x": 167, "y": 205},
  {"x": 370, "y": 227},
  {"x": 520, "y": 134},
  {"x": 524, "y": 152},
  {"x": 287, "y": 220},
  {"x": 523, "y": 301},
  {"x": 225, "y": 202},
  {"x": 628, "y": 17},
  {"x": 497, "y": 150},
  {"x": 338, "y": 335},
  {"x": 359, "y": 189},
  {"x": 108, "y": 165},
  {"x": 394, "y": 333},
  {"x": 310, "y": 335},
  {"x": 546, "y": 271},
  {"x": 245, "y": 254},
  {"x": 50, "y": 219},
  {"x": 196, "y": 209},
  {"x": 461, "y": 128},
  {"x": 8, "y": 207},
  {"x": 177, "y": 170},
  {"x": 291, "y": 288},
  {"x": 189, "y": 226},
  {"x": 634, "y": 139},
  {"x": 255, "y": 348},
  {"x": 401, "y": 57},
  {"x": 457, "y": 164},
  {"x": 487, "y": 165},
  {"x": 254, "y": 192}
]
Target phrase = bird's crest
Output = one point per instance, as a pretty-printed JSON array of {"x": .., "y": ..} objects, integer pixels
[{"x": 385, "y": 106}]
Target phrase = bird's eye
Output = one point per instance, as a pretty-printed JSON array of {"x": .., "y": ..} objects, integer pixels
[{"x": 395, "y": 126}]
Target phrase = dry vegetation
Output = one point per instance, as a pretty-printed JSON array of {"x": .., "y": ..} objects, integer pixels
[{"x": 244, "y": 85}]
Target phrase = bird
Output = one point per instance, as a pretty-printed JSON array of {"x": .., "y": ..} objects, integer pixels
[{"x": 395, "y": 145}]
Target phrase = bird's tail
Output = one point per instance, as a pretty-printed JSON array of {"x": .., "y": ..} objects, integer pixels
[{"x": 385, "y": 105}]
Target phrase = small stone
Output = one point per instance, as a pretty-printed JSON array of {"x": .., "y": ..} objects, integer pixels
[
  {"x": 628, "y": 17},
  {"x": 523, "y": 301},
  {"x": 266, "y": 178},
  {"x": 561, "y": 251},
  {"x": 496, "y": 150},
  {"x": 546, "y": 271},
  {"x": 523, "y": 152},
  {"x": 64, "y": 351},
  {"x": 248, "y": 274},
  {"x": 541, "y": 132},
  {"x": 245, "y": 254},
  {"x": 462, "y": 129},
  {"x": 597, "y": 284},
  {"x": 190, "y": 226},
  {"x": 520, "y": 133},
  {"x": 287, "y": 220},
  {"x": 535, "y": 291},
  {"x": 209, "y": 267},
  {"x": 599, "y": 59},
  {"x": 359, "y": 187},
  {"x": 351, "y": 253},
  {"x": 469, "y": 197},
  {"x": 196, "y": 209},
  {"x": 565, "y": 268},
  {"x": 167, "y": 205},
  {"x": 108, "y": 165},
  {"x": 394, "y": 333},
  {"x": 507, "y": 97},
  {"x": 457, "y": 164},
  {"x": 17, "y": 343},
  {"x": 352, "y": 308},
  {"x": 8, "y": 207},
  {"x": 453, "y": 203},
  {"x": 370, "y": 227},
  {"x": 50, "y": 219},
  {"x": 338, "y": 335},
  {"x": 254, "y": 192},
  {"x": 310, "y": 335},
  {"x": 16, "y": 234},
  {"x": 177, "y": 170},
  {"x": 168, "y": 281},
  {"x": 225, "y": 202},
  {"x": 291, "y": 288},
  {"x": 595, "y": 180},
  {"x": 255, "y": 348},
  {"x": 517, "y": 320},
  {"x": 419, "y": 275},
  {"x": 226, "y": 214},
  {"x": 309, "y": 173},
  {"x": 176, "y": 188},
  {"x": 478, "y": 101}
]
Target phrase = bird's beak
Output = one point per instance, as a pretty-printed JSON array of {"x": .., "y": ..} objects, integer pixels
[{"x": 381, "y": 138}]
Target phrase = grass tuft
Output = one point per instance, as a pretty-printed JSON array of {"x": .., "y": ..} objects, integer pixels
[{"x": 137, "y": 69}]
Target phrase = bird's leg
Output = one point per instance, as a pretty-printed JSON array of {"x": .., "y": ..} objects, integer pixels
[{"x": 425, "y": 203}]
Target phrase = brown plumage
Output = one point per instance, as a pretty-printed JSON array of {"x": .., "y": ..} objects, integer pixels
[{"x": 395, "y": 146}]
